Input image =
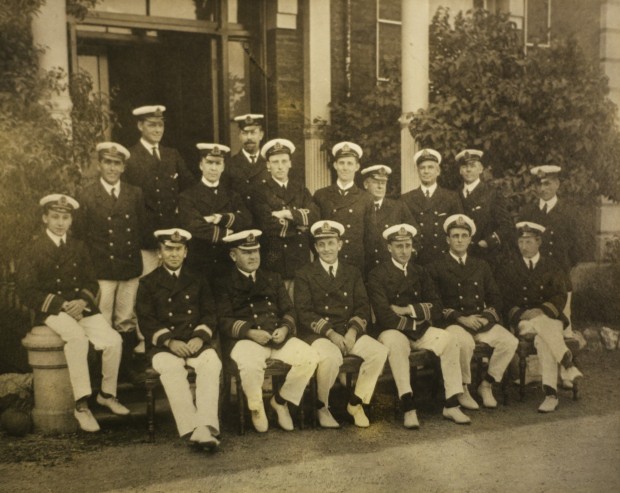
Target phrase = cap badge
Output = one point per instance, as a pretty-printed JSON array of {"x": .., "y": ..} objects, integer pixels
[
  {"x": 402, "y": 231},
  {"x": 277, "y": 146},
  {"x": 176, "y": 236},
  {"x": 157, "y": 112},
  {"x": 62, "y": 200},
  {"x": 326, "y": 227},
  {"x": 248, "y": 120},
  {"x": 250, "y": 238},
  {"x": 382, "y": 172},
  {"x": 346, "y": 148},
  {"x": 216, "y": 151},
  {"x": 541, "y": 173},
  {"x": 460, "y": 221}
]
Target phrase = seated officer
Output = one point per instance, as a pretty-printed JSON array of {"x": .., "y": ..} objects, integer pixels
[
  {"x": 472, "y": 305},
  {"x": 57, "y": 280},
  {"x": 284, "y": 211},
  {"x": 405, "y": 304},
  {"x": 430, "y": 205},
  {"x": 534, "y": 295},
  {"x": 176, "y": 311},
  {"x": 486, "y": 206},
  {"x": 388, "y": 212},
  {"x": 258, "y": 318},
  {"x": 210, "y": 210},
  {"x": 333, "y": 310}
]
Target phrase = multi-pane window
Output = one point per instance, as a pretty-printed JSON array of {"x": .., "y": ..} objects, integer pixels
[
  {"x": 388, "y": 36},
  {"x": 537, "y": 22}
]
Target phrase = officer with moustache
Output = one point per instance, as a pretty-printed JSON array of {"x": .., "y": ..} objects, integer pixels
[
  {"x": 161, "y": 173},
  {"x": 345, "y": 203},
  {"x": 486, "y": 206},
  {"x": 388, "y": 212},
  {"x": 283, "y": 210},
  {"x": 472, "y": 306},
  {"x": 334, "y": 313},
  {"x": 210, "y": 210},
  {"x": 430, "y": 205},
  {"x": 178, "y": 317},
  {"x": 534, "y": 292},
  {"x": 408, "y": 309},
  {"x": 257, "y": 318}
]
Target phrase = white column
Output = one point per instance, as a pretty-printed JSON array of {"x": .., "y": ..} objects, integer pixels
[
  {"x": 414, "y": 47},
  {"x": 49, "y": 31},
  {"x": 317, "y": 89},
  {"x": 610, "y": 46}
]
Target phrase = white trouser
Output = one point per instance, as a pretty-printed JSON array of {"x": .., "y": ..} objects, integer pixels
[
  {"x": 440, "y": 342},
  {"x": 251, "y": 360},
  {"x": 504, "y": 346},
  {"x": 150, "y": 261},
  {"x": 550, "y": 346},
  {"x": 289, "y": 284},
  {"x": 370, "y": 350},
  {"x": 173, "y": 375},
  {"x": 117, "y": 303},
  {"x": 76, "y": 336}
]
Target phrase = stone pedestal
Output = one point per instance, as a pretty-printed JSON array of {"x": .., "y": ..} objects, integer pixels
[{"x": 53, "y": 396}]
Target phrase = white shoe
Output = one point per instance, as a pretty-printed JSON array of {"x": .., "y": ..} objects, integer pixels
[
  {"x": 326, "y": 420},
  {"x": 467, "y": 401},
  {"x": 411, "y": 420},
  {"x": 485, "y": 390},
  {"x": 569, "y": 375},
  {"x": 140, "y": 348},
  {"x": 113, "y": 405},
  {"x": 259, "y": 420},
  {"x": 526, "y": 329},
  {"x": 359, "y": 416},
  {"x": 86, "y": 420},
  {"x": 202, "y": 436},
  {"x": 549, "y": 405},
  {"x": 455, "y": 414},
  {"x": 284, "y": 416}
]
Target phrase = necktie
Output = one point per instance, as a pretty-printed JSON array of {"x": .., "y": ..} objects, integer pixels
[
  {"x": 156, "y": 153},
  {"x": 284, "y": 188},
  {"x": 531, "y": 265},
  {"x": 113, "y": 193},
  {"x": 544, "y": 208},
  {"x": 427, "y": 194},
  {"x": 61, "y": 243},
  {"x": 461, "y": 261},
  {"x": 253, "y": 159},
  {"x": 377, "y": 206},
  {"x": 343, "y": 192},
  {"x": 331, "y": 272},
  {"x": 174, "y": 276}
]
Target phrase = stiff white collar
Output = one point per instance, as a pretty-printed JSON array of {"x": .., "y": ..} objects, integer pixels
[
  {"x": 209, "y": 183},
  {"x": 456, "y": 257},
  {"x": 344, "y": 187},
  {"x": 471, "y": 186},
  {"x": 431, "y": 189},
  {"x": 148, "y": 146},
  {"x": 108, "y": 187},
  {"x": 281, "y": 183},
  {"x": 400, "y": 266},
  {"x": 56, "y": 239},
  {"x": 326, "y": 266},
  {"x": 534, "y": 260},
  {"x": 551, "y": 203}
]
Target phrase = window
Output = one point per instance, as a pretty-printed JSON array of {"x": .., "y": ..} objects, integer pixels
[
  {"x": 537, "y": 22},
  {"x": 388, "y": 36}
]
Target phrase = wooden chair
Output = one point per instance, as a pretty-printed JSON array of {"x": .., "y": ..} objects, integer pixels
[
  {"x": 276, "y": 370},
  {"x": 526, "y": 348}
]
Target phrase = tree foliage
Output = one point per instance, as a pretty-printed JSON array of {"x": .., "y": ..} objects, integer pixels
[
  {"x": 39, "y": 154},
  {"x": 546, "y": 106}
]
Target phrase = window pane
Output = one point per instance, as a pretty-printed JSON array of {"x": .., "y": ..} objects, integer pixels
[
  {"x": 537, "y": 21},
  {"x": 137, "y": 7},
  {"x": 238, "y": 88},
  {"x": 389, "y": 10},
  {"x": 177, "y": 9},
  {"x": 389, "y": 47}
]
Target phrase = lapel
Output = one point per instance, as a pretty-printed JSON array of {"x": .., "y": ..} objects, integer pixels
[
  {"x": 321, "y": 277},
  {"x": 165, "y": 280},
  {"x": 420, "y": 200},
  {"x": 284, "y": 195},
  {"x": 105, "y": 200},
  {"x": 347, "y": 200},
  {"x": 457, "y": 270}
]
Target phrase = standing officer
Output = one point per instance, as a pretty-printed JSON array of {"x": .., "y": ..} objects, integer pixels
[
  {"x": 177, "y": 315},
  {"x": 534, "y": 295},
  {"x": 333, "y": 310},
  {"x": 560, "y": 241},
  {"x": 430, "y": 205},
  {"x": 472, "y": 306},
  {"x": 210, "y": 210},
  {"x": 161, "y": 174},
  {"x": 486, "y": 206},
  {"x": 258, "y": 318},
  {"x": 345, "y": 203},
  {"x": 248, "y": 167},
  {"x": 284, "y": 211},
  {"x": 406, "y": 305},
  {"x": 388, "y": 212},
  {"x": 57, "y": 280}
]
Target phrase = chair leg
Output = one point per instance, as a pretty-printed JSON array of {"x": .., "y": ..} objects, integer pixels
[
  {"x": 576, "y": 390},
  {"x": 302, "y": 416},
  {"x": 150, "y": 409},
  {"x": 504, "y": 387},
  {"x": 314, "y": 398},
  {"x": 240, "y": 405},
  {"x": 522, "y": 365}
]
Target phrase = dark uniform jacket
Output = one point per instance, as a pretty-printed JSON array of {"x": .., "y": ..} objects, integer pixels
[
  {"x": 388, "y": 285},
  {"x": 113, "y": 230},
  {"x": 430, "y": 213},
  {"x": 560, "y": 241},
  {"x": 206, "y": 251},
  {"x": 465, "y": 290},
  {"x": 542, "y": 288},
  {"x": 242, "y": 175},
  {"x": 244, "y": 304},
  {"x": 487, "y": 207},
  {"x": 170, "y": 308},
  {"x": 160, "y": 181},
  {"x": 324, "y": 303},
  {"x": 286, "y": 243},
  {"x": 49, "y": 275},
  {"x": 390, "y": 213},
  {"x": 355, "y": 211}
]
